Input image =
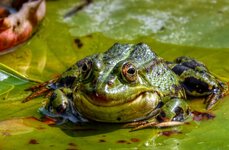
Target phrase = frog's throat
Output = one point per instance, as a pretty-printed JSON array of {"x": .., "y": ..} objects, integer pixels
[{"x": 139, "y": 108}]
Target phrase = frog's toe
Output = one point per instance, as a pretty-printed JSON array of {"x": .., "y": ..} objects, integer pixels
[
  {"x": 140, "y": 125},
  {"x": 213, "y": 98},
  {"x": 169, "y": 124},
  {"x": 36, "y": 93},
  {"x": 135, "y": 124},
  {"x": 40, "y": 89},
  {"x": 145, "y": 124},
  {"x": 216, "y": 94}
]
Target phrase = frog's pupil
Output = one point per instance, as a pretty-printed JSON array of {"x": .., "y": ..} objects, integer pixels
[{"x": 131, "y": 71}]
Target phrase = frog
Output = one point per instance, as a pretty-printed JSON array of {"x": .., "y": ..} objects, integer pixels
[{"x": 130, "y": 83}]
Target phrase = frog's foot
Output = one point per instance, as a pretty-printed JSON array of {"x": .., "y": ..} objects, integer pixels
[
  {"x": 39, "y": 90},
  {"x": 145, "y": 124},
  {"x": 61, "y": 107},
  {"x": 214, "y": 97},
  {"x": 198, "y": 81},
  {"x": 172, "y": 113}
]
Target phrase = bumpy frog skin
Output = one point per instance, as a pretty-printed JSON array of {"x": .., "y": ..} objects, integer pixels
[{"x": 130, "y": 83}]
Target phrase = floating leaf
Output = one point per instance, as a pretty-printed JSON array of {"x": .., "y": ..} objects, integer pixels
[
  {"x": 172, "y": 28},
  {"x": 14, "y": 127}
]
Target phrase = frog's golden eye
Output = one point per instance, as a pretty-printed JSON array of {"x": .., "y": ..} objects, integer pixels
[
  {"x": 85, "y": 67},
  {"x": 129, "y": 71}
]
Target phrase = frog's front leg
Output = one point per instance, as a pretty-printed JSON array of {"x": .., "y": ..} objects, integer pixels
[
  {"x": 41, "y": 89},
  {"x": 173, "y": 113},
  {"x": 60, "y": 105},
  {"x": 198, "y": 81}
]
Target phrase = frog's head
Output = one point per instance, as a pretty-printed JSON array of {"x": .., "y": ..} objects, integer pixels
[
  {"x": 115, "y": 86},
  {"x": 118, "y": 85}
]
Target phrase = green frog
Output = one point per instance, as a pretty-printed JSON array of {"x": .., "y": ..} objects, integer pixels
[{"x": 130, "y": 84}]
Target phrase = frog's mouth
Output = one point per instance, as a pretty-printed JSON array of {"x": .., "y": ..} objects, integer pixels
[
  {"x": 108, "y": 100},
  {"x": 136, "y": 108}
]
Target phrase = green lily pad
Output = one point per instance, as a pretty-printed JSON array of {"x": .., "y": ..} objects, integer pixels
[{"x": 172, "y": 28}]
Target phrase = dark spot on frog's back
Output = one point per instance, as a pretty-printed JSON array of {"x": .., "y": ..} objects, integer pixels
[
  {"x": 179, "y": 69},
  {"x": 78, "y": 43},
  {"x": 188, "y": 62},
  {"x": 192, "y": 64},
  {"x": 193, "y": 84}
]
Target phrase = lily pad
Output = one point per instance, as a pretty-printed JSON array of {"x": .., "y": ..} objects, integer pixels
[
  {"x": 14, "y": 127},
  {"x": 171, "y": 28}
]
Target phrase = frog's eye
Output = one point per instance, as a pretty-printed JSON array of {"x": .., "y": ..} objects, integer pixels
[
  {"x": 129, "y": 71},
  {"x": 85, "y": 67}
]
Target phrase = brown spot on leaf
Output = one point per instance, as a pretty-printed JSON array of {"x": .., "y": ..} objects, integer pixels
[
  {"x": 135, "y": 140},
  {"x": 169, "y": 133},
  {"x": 72, "y": 144},
  {"x": 198, "y": 116},
  {"x": 102, "y": 140},
  {"x": 121, "y": 141},
  {"x": 33, "y": 141},
  {"x": 78, "y": 43}
]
